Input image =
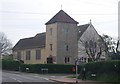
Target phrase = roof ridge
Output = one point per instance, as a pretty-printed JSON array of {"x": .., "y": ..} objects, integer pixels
[
  {"x": 61, "y": 16},
  {"x": 33, "y": 36},
  {"x": 84, "y": 24},
  {"x": 31, "y": 42},
  {"x": 27, "y": 38},
  {"x": 40, "y": 34}
]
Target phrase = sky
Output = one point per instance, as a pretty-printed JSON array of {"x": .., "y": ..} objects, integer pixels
[{"x": 25, "y": 18}]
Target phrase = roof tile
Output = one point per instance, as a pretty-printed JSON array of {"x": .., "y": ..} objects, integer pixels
[
  {"x": 61, "y": 16},
  {"x": 82, "y": 29},
  {"x": 34, "y": 42}
]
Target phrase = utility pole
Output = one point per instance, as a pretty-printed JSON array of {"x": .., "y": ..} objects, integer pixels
[{"x": 76, "y": 65}]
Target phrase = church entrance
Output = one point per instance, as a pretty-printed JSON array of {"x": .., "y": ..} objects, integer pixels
[{"x": 50, "y": 60}]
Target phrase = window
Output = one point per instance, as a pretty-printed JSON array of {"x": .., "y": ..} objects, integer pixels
[
  {"x": 19, "y": 55},
  {"x": 38, "y": 54},
  {"x": 67, "y": 59},
  {"x": 66, "y": 47},
  {"x": 27, "y": 55},
  {"x": 50, "y": 31},
  {"x": 51, "y": 47},
  {"x": 50, "y": 60},
  {"x": 85, "y": 59}
]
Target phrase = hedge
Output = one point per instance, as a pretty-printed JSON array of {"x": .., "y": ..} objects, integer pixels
[
  {"x": 103, "y": 67},
  {"x": 107, "y": 71},
  {"x": 10, "y": 65},
  {"x": 36, "y": 68},
  {"x": 107, "y": 67},
  {"x": 52, "y": 68}
]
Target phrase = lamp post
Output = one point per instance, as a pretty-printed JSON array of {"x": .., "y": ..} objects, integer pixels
[
  {"x": 77, "y": 61},
  {"x": 76, "y": 65}
]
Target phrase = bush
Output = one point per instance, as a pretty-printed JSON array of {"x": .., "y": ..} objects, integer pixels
[
  {"x": 103, "y": 67},
  {"x": 52, "y": 68},
  {"x": 105, "y": 71},
  {"x": 10, "y": 65},
  {"x": 36, "y": 68}
]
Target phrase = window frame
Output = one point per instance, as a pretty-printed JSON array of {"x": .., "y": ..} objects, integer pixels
[
  {"x": 51, "y": 30},
  {"x": 51, "y": 47},
  {"x": 67, "y": 47},
  {"x": 67, "y": 60},
  {"x": 38, "y": 54},
  {"x": 28, "y": 55},
  {"x": 18, "y": 55}
]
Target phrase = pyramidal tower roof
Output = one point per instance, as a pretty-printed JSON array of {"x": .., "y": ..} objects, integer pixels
[{"x": 63, "y": 17}]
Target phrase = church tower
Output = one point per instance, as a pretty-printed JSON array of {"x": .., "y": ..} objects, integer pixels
[{"x": 61, "y": 39}]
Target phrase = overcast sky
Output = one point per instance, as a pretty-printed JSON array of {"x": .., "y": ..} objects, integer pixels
[{"x": 25, "y": 18}]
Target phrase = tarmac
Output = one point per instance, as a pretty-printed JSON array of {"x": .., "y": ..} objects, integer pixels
[{"x": 66, "y": 80}]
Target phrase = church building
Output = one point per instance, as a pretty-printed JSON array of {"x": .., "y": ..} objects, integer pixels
[{"x": 60, "y": 44}]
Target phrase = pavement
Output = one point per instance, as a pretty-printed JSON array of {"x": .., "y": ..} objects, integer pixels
[{"x": 66, "y": 80}]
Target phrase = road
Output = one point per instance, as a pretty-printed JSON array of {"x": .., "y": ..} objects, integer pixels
[{"x": 25, "y": 78}]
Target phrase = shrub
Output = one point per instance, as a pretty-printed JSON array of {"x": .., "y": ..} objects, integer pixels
[
  {"x": 10, "y": 65},
  {"x": 107, "y": 71},
  {"x": 103, "y": 67},
  {"x": 52, "y": 68}
]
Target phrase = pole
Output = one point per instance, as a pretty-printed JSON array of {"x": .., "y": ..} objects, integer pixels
[{"x": 76, "y": 72}]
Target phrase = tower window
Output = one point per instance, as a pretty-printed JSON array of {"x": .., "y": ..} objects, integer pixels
[
  {"x": 51, "y": 47},
  {"x": 67, "y": 59},
  {"x": 66, "y": 47},
  {"x": 50, "y": 31}
]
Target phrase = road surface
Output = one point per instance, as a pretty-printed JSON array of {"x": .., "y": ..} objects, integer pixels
[{"x": 25, "y": 78}]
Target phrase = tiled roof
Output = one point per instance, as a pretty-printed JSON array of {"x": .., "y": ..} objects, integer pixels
[
  {"x": 61, "y": 16},
  {"x": 82, "y": 29},
  {"x": 34, "y": 42},
  {"x": 39, "y": 40}
]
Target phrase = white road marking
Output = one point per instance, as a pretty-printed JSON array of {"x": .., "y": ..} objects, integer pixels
[
  {"x": 19, "y": 81},
  {"x": 32, "y": 78},
  {"x": 23, "y": 77},
  {"x": 44, "y": 78},
  {"x": 15, "y": 79}
]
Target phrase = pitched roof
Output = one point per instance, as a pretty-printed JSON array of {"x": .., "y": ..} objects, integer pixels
[
  {"x": 34, "y": 42},
  {"x": 61, "y": 16},
  {"x": 82, "y": 29}
]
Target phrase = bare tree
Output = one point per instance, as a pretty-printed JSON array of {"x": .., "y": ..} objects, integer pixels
[
  {"x": 94, "y": 45},
  {"x": 94, "y": 48},
  {"x": 5, "y": 45}
]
